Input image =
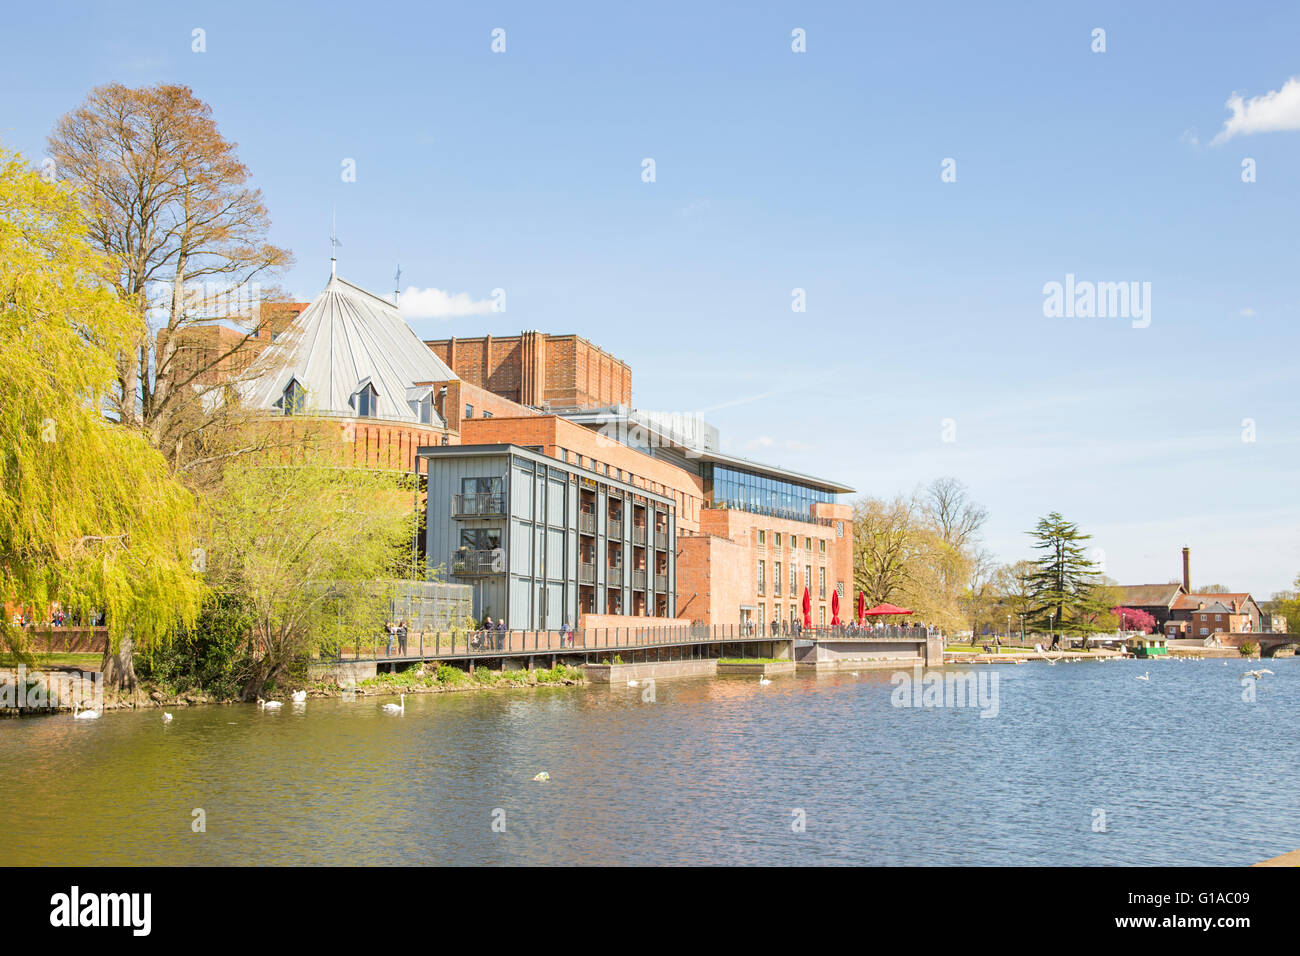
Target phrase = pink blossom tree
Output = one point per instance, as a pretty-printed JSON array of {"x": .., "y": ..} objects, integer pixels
[{"x": 1135, "y": 619}]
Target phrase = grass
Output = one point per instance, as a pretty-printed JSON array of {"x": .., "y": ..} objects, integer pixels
[
  {"x": 449, "y": 676},
  {"x": 55, "y": 659},
  {"x": 751, "y": 660}
]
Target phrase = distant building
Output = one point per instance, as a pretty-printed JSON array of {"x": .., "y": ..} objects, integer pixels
[{"x": 1182, "y": 613}]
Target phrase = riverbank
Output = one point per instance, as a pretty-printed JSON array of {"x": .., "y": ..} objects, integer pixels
[{"x": 53, "y": 691}]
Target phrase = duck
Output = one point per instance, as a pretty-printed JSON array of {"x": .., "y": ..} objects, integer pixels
[
  {"x": 166, "y": 717},
  {"x": 79, "y": 714},
  {"x": 299, "y": 696},
  {"x": 396, "y": 708},
  {"x": 269, "y": 704}
]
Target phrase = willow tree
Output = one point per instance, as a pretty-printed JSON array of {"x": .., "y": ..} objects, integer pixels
[
  {"x": 90, "y": 515},
  {"x": 170, "y": 206}
]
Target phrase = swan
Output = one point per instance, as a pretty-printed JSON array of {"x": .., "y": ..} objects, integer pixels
[
  {"x": 299, "y": 696},
  {"x": 396, "y": 708},
  {"x": 1146, "y": 676},
  {"x": 79, "y": 714},
  {"x": 763, "y": 682},
  {"x": 854, "y": 674},
  {"x": 1257, "y": 675},
  {"x": 166, "y": 717},
  {"x": 542, "y": 776},
  {"x": 270, "y": 704},
  {"x": 633, "y": 683}
]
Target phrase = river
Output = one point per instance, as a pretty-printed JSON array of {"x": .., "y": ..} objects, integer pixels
[{"x": 712, "y": 771}]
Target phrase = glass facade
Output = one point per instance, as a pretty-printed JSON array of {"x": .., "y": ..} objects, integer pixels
[{"x": 746, "y": 491}]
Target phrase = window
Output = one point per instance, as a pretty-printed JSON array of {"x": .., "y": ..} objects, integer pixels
[
  {"x": 794, "y": 580},
  {"x": 776, "y": 540},
  {"x": 1205, "y": 630},
  {"x": 469, "y": 411},
  {"x": 776, "y": 579},
  {"x": 807, "y": 576},
  {"x": 821, "y": 546},
  {"x": 366, "y": 401},
  {"x": 487, "y": 414},
  {"x": 293, "y": 400},
  {"x": 821, "y": 617},
  {"x": 807, "y": 544},
  {"x": 821, "y": 583},
  {"x": 480, "y": 539},
  {"x": 760, "y": 578},
  {"x": 1218, "y": 617},
  {"x": 762, "y": 539}
]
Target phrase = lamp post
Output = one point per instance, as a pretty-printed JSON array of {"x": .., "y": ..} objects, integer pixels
[
  {"x": 1051, "y": 628},
  {"x": 1022, "y": 629}
]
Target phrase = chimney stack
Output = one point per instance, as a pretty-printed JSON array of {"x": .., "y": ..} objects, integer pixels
[{"x": 1187, "y": 570}]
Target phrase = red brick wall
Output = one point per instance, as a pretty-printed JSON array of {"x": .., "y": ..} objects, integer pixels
[{"x": 534, "y": 368}]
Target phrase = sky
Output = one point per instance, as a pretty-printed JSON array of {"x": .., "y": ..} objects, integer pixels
[{"x": 922, "y": 172}]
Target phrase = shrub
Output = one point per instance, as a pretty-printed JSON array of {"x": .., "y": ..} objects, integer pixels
[
  {"x": 1249, "y": 649},
  {"x": 447, "y": 674},
  {"x": 212, "y": 656}
]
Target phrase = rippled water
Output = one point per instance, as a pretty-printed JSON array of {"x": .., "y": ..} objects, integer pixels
[{"x": 1186, "y": 772}]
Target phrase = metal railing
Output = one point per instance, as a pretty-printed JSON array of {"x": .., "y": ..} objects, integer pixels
[
  {"x": 661, "y": 582},
  {"x": 614, "y": 528},
  {"x": 586, "y": 522},
  {"x": 638, "y": 579},
  {"x": 661, "y": 540},
  {"x": 479, "y": 505},
  {"x": 638, "y": 534},
  {"x": 492, "y": 561},
  {"x": 586, "y": 573}
]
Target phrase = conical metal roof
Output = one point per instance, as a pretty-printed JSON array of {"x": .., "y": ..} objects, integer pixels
[{"x": 346, "y": 340}]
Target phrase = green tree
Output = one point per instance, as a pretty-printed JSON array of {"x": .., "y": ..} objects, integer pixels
[
  {"x": 89, "y": 513},
  {"x": 313, "y": 549},
  {"x": 1064, "y": 584}
]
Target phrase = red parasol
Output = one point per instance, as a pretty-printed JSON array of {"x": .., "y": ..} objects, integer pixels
[
  {"x": 862, "y": 605},
  {"x": 835, "y": 609},
  {"x": 807, "y": 608},
  {"x": 881, "y": 609}
]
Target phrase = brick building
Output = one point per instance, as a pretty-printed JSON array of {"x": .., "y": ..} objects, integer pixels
[
  {"x": 1181, "y": 612},
  {"x": 539, "y": 370}
]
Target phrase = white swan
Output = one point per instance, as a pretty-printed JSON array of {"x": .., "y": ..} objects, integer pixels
[
  {"x": 166, "y": 717},
  {"x": 763, "y": 682},
  {"x": 1257, "y": 675},
  {"x": 633, "y": 683},
  {"x": 396, "y": 708},
  {"x": 79, "y": 714},
  {"x": 270, "y": 704},
  {"x": 1146, "y": 676},
  {"x": 299, "y": 696}
]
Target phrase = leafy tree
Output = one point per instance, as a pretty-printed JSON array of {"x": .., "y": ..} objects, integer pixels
[
  {"x": 1064, "y": 583},
  {"x": 89, "y": 513},
  {"x": 312, "y": 548}
]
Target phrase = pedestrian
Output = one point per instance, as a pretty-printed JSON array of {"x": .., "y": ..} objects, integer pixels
[
  {"x": 501, "y": 634},
  {"x": 566, "y": 635},
  {"x": 388, "y": 628},
  {"x": 401, "y": 638}
]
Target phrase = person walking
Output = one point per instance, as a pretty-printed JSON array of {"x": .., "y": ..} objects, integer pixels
[
  {"x": 566, "y": 636},
  {"x": 401, "y": 638}
]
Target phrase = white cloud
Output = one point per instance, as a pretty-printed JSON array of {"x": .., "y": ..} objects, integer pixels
[
  {"x": 1270, "y": 113},
  {"x": 437, "y": 304}
]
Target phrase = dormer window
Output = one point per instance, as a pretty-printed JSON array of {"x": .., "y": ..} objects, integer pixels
[
  {"x": 366, "y": 400},
  {"x": 420, "y": 400},
  {"x": 293, "y": 400}
]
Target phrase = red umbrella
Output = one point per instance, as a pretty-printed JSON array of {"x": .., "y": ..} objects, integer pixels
[
  {"x": 862, "y": 605},
  {"x": 807, "y": 608},
  {"x": 835, "y": 609},
  {"x": 880, "y": 609}
]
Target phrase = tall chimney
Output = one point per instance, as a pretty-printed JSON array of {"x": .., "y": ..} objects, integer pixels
[{"x": 1187, "y": 570}]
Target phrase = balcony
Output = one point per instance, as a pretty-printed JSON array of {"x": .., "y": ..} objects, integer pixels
[
  {"x": 478, "y": 506},
  {"x": 661, "y": 583},
  {"x": 661, "y": 540},
  {"x": 638, "y": 579},
  {"x": 638, "y": 534},
  {"x": 615, "y": 528},
  {"x": 586, "y": 522},
  {"x": 473, "y": 563},
  {"x": 586, "y": 573}
]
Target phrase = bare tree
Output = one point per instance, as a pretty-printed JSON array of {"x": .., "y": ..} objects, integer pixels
[
  {"x": 170, "y": 205},
  {"x": 883, "y": 546},
  {"x": 957, "y": 518}
]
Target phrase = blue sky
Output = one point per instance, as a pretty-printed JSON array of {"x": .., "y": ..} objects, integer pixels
[{"x": 778, "y": 170}]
